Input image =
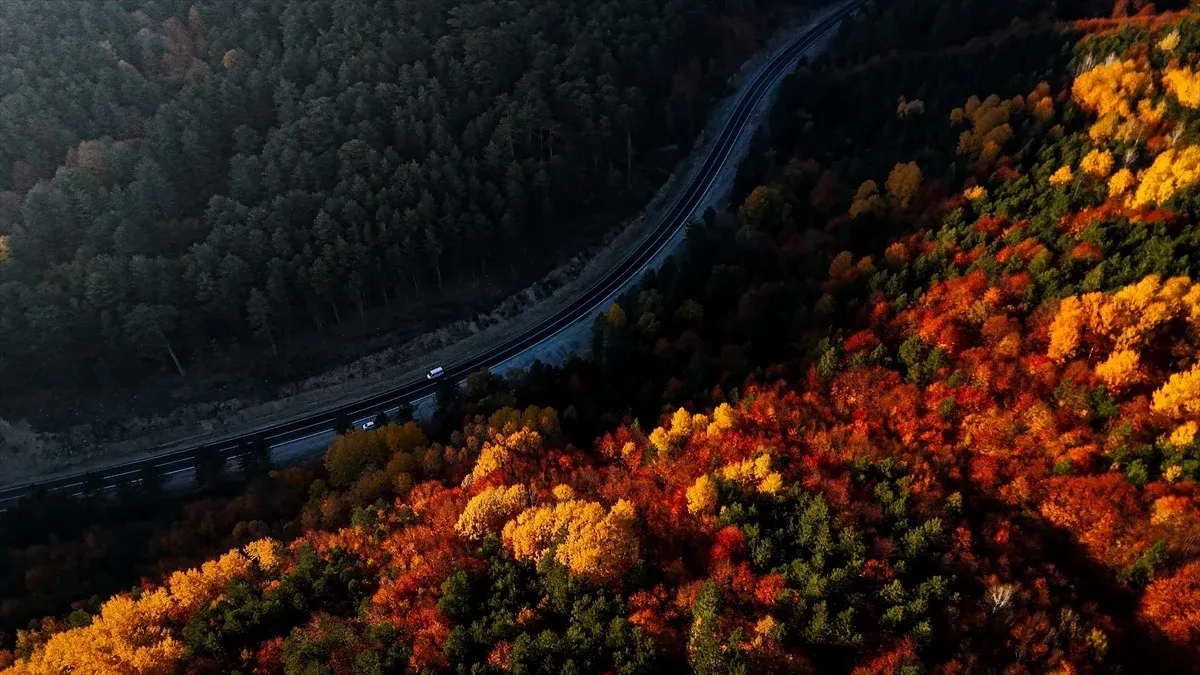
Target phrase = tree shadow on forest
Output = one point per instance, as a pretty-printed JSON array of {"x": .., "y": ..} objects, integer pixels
[{"x": 1137, "y": 647}]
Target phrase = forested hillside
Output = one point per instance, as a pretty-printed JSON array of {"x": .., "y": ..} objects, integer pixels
[
  {"x": 179, "y": 179},
  {"x": 925, "y": 402}
]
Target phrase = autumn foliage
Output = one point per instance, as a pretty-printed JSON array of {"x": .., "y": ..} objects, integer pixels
[{"x": 885, "y": 417}]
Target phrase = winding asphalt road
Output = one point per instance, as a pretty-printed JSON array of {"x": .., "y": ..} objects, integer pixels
[{"x": 595, "y": 299}]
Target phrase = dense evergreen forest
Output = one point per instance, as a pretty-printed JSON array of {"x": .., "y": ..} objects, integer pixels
[
  {"x": 178, "y": 178},
  {"x": 924, "y": 401}
]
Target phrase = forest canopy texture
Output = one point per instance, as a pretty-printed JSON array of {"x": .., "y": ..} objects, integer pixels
[
  {"x": 924, "y": 401},
  {"x": 177, "y": 177}
]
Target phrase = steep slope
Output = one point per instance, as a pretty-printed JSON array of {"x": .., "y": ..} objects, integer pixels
[{"x": 967, "y": 442}]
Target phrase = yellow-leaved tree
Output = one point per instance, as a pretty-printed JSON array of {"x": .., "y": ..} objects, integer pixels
[
  {"x": 487, "y": 511},
  {"x": 591, "y": 542},
  {"x": 1169, "y": 42},
  {"x": 761, "y": 204},
  {"x": 1062, "y": 177},
  {"x": 906, "y": 108},
  {"x": 702, "y": 496},
  {"x": 136, "y": 636},
  {"x": 1114, "y": 91},
  {"x": 128, "y": 636},
  {"x": 1183, "y": 434},
  {"x": 1153, "y": 316},
  {"x": 1179, "y": 397},
  {"x": 1067, "y": 328},
  {"x": 1184, "y": 85},
  {"x": 723, "y": 417},
  {"x": 359, "y": 452},
  {"x": 1121, "y": 182},
  {"x": 866, "y": 200},
  {"x": 754, "y": 473},
  {"x": 1129, "y": 318},
  {"x": 1171, "y": 172},
  {"x": 1040, "y": 103},
  {"x": 499, "y": 450},
  {"x": 603, "y": 548},
  {"x": 975, "y": 192},
  {"x": 665, "y": 440},
  {"x": 990, "y": 128},
  {"x": 266, "y": 553},
  {"x": 1097, "y": 163},
  {"x": 903, "y": 183},
  {"x": 615, "y": 317},
  {"x": 1120, "y": 370},
  {"x": 197, "y": 589},
  {"x": 991, "y": 120}
]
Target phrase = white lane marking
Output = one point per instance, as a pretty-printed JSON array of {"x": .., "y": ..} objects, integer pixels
[
  {"x": 726, "y": 129},
  {"x": 687, "y": 218}
]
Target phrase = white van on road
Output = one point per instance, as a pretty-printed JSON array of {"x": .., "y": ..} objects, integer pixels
[{"x": 435, "y": 373}]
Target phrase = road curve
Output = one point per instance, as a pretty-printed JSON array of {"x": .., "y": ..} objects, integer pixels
[{"x": 672, "y": 219}]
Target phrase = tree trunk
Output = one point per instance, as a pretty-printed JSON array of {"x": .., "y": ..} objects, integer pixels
[
  {"x": 628, "y": 158},
  {"x": 416, "y": 288},
  {"x": 382, "y": 279},
  {"x": 437, "y": 267},
  {"x": 170, "y": 351},
  {"x": 336, "y": 314}
]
